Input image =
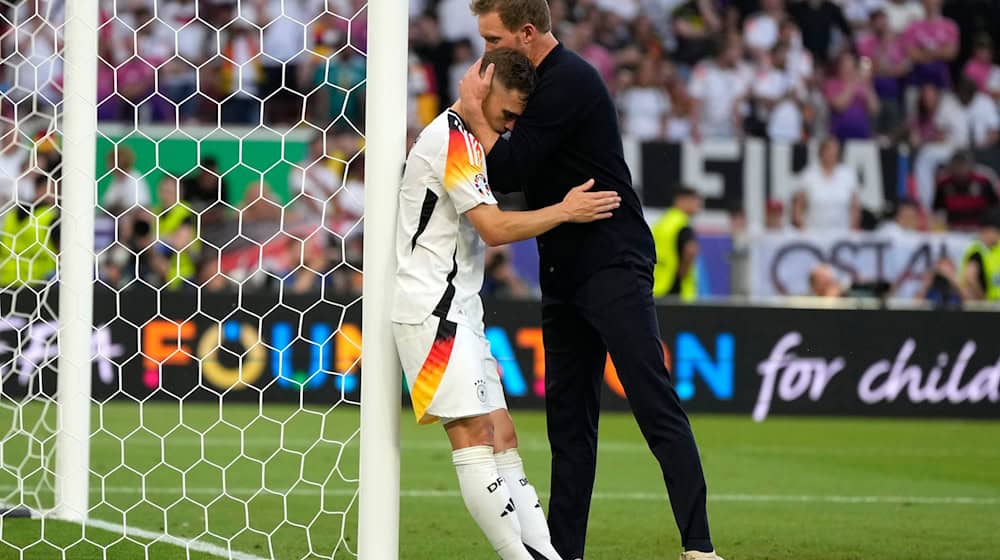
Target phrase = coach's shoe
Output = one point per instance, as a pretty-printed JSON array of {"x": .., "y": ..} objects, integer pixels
[{"x": 696, "y": 555}]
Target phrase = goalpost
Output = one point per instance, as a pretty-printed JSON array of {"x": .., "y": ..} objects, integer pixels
[{"x": 184, "y": 440}]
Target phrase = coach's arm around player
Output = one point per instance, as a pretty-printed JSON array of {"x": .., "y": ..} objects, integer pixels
[{"x": 499, "y": 227}]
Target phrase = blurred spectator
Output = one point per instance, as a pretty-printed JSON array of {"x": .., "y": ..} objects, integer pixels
[
  {"x": 852, "y": 98},
  {"x": 170, "y": 212},
  {"x": 697, "y": 24},
  {"x": 180, "y": 250},
  {"x": 906, "y": 219},
  {"x": 938, "y": 129},
  {"x": 675, "y": 273},
  {"x": 210, "y": 279},
  {"x": 980, "y": 275},
  {"x": 831, "y": 190},
  {"x": 799, "y": 59},
  {"x": 132, "y": 257},
  {"x": 30, "y": 237},
  {"x": 349, "y": 201},
  {"x": 777, "y": 93},
  {"x": 818, "y": 20},
  {"x": 582, "y": 41},
  {"x": 284, "y": 39},
  {"x": 502, "y": 280},
  {"x": 682, "y": 106},
  {"x": 644, "y": 106},
  {"x": 981, "y": 68},
  {"x": 890, "y": 63},
  {"x": 128, "y": 188},
  {"x": 859, "y": 12},
  {"x": 761, "y": 30},
  {"x": 15, "y": 179},
  {"x": 314, "y": 183},
  {"x": 982, "y": 118},
  {"x": 902, "y": 13},
  {"x": 205, "y": 191},
  {"x": 462, "y": 58},
  {"x": 774, "y": 217},
  {"x": 179, "y": 77},
  {"x": 965, "y": 193},
  {"x": 313, "y": 275},
  {"x": 932, "y": 43},
  {"x": 798, "y": 217},
  {"x": 259, "y": 204},
  {"x": 240, "y": 74},
  {"x": 941, "y": 285},
  {"x": 823, "y": 282},
  {"x": 457, "y": 22},
  {"x": 720, "y": 88},
  {"x": 428, "y": 44}
]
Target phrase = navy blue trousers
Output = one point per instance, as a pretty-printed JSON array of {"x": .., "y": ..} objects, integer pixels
[{"x": 613, "y": 311}]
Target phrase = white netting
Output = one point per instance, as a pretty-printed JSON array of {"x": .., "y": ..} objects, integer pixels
[{"x": 227, "y": 282}]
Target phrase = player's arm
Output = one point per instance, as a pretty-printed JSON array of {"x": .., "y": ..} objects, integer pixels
[
  {"x": 498, "y": 227},
  {"x": 540, "y": 130}
]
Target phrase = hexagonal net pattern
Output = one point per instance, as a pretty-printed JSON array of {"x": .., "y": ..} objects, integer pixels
[{"x": 227, "y": 279}]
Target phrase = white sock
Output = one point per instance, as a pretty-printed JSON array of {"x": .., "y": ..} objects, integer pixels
[
  {"x": 534, "y": 529},
  {"x": 488, "y": 500}
]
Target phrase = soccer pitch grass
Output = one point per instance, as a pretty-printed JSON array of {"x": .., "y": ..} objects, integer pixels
[{"x": 789, "y": 488}]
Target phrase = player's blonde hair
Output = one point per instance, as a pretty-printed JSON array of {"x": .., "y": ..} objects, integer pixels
[{"x": 516, "y": 13}]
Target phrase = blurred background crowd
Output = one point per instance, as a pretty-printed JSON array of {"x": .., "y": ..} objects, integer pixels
[{"x": 920, "y": 76}]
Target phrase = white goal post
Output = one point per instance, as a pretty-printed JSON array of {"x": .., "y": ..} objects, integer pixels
[{"x": 385, "y": 128}]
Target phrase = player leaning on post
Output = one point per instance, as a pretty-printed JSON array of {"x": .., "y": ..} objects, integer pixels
[
  {"x": 597, "y": 279},
  {"x": 446, "y": 211}
]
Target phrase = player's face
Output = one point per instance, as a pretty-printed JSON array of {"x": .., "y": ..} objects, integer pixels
[
  {"x": 497, "y": 36},
  {"x": 502, "y": 107}
]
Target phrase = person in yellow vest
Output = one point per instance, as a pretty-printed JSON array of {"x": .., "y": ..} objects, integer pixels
[
  {"x": 677, "y": 248},
  {"x": 980, "y": 276},
  {"x": 29, "y": 239}
]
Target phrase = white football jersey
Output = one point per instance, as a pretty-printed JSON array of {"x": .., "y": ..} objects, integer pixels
[{"x": 440, "y": 256}]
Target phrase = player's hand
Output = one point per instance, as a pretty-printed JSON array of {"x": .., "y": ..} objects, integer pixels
[
  {"x": 583, "y": 206},
  {"x": 474, "y": 88}
]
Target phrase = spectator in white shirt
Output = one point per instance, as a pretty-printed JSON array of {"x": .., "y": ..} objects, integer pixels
[
  {"x": 761, "y": 30},
  {"x": 937, "y": 131},
  {"x": 902, "y": 13},
  {"x": 128, "y": 188},
  {"x": 645, "y": 106},
  {"x": 981, "y": 116},
  {"x": 831, "y": 189},
  {"x": 720, "y": 88},
  {"x": 777, "y": 93}
]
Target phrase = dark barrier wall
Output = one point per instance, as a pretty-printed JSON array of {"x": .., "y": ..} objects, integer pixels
[{"x": 757, "y": 361}]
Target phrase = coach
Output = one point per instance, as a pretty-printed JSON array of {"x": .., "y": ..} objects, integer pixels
[{"x": 596, "y": 279}]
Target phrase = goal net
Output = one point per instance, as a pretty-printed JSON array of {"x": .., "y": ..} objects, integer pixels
[{"x": 226, "y": 280}]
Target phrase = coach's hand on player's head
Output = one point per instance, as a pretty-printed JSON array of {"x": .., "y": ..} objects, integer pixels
[
  {"x": 584, "y": 206},
  {"x": 475, "y": 86}
]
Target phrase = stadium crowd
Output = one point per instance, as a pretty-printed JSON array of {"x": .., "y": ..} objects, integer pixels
[{"x": 919, "y": 74}]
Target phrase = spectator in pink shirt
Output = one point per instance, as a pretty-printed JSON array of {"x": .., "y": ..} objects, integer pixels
[
  {"x": 932, "y": 43},
  {"x": 591, "y": 51},
  {"x": 885, "y": 51},
  {"x": 980, "y": 68}
]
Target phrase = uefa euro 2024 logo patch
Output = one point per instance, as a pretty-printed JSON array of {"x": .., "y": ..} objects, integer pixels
[{"x": 482, "y": 185}]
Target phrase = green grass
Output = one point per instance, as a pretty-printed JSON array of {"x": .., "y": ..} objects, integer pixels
[{"x": 775, "y": 488}]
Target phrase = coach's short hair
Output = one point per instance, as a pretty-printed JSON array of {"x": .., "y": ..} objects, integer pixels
[
  {"x": 515, "y": 13},
  {"x": 512, "y": 69}
]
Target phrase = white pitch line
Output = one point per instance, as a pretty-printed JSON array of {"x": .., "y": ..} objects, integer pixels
[
  {"x": 187, "y": 544},
  {"x": 607, "y": 496}
]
